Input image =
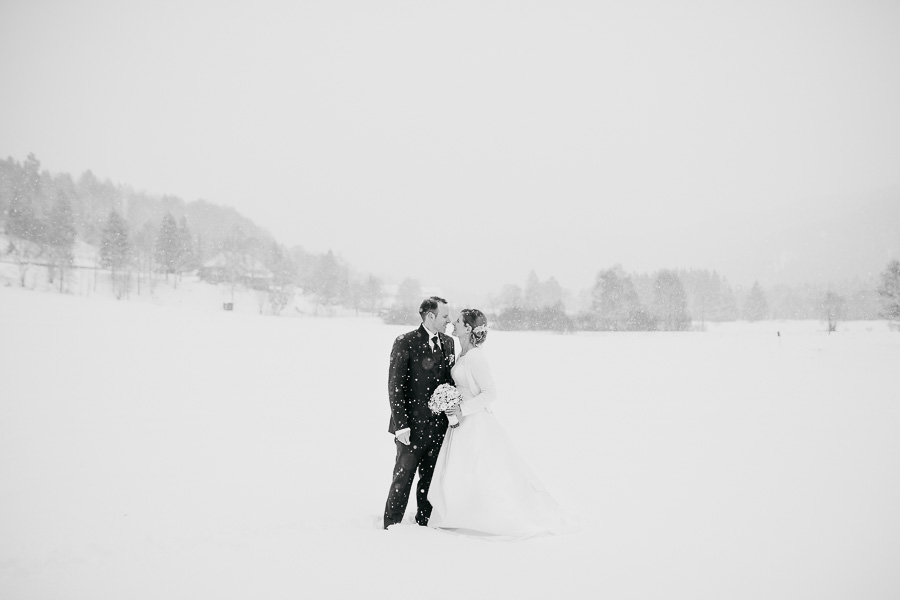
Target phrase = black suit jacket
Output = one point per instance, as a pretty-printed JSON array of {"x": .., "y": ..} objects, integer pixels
[{"x": 412, "y": 378}]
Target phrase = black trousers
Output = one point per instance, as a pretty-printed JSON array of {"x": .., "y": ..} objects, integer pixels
[{"x": 410, "y": 458}]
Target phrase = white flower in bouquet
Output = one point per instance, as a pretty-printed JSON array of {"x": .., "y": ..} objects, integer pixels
[{"x": 444, "y": 398}]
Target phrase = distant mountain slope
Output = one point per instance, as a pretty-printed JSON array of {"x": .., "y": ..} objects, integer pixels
[
  {"x": 92, "y": 199},
  {"x": 819, "y": 242},
  {"x": 844, "y": 244}
]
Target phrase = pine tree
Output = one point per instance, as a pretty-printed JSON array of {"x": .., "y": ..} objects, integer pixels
[
  {"x": 115, "y": 252},
  {"x": 187, "y": 256},
  {"x": 889, "y": 290},
  {"x": 373, "y": 293},
  {"x": 281, "y": 288},
  {"x": 27, "y": 231},
  {"x": 756, "y": 307},
  {"x": 144, "y": 243},
  {"x": 510, "y": 296},
  {"x": 21, "y": 219},
  {"x": 614, "y": 300},
  {"x": 532, "y": 295},
  {"x": 168, "y": 245},
  {"x": 670, "y": 302},
  {"x": 235, "y": 248},
  {"x": 115, "y": 248},
  {"x": 330, "y": 281},
  {"x": 61, "y": 237},
  {"x": 724, "y": 301}
]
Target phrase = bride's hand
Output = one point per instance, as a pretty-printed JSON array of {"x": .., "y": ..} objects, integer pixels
[{"x": 456, "y": 411}]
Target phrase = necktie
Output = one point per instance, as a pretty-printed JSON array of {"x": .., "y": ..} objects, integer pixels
[{"x": 436, "y": 348}]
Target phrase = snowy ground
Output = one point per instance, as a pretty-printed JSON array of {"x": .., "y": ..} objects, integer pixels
[{"x": 165, "y": 452}]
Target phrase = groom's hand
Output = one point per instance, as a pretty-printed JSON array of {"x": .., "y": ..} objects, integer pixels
[{"x": 403, "y": 436}]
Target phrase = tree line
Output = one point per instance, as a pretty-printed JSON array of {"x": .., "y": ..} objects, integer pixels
[
  {"x": 668, "y": 300},
  {"x": 619, "y": 301},
  {"x": 677, "y": 300},
  {"x": 142, "y": 239}
]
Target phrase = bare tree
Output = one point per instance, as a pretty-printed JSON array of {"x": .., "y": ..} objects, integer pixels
[{"x": 832, "y": 309}]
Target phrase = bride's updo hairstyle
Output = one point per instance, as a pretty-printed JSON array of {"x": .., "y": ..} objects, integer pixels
[{"x": 475, "y": 319}]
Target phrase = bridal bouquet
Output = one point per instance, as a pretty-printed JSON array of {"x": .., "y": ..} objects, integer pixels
[{"x": 443, "y": 399}]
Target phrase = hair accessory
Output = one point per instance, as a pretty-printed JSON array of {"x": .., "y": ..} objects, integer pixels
[{"x": 480, "y": 329}]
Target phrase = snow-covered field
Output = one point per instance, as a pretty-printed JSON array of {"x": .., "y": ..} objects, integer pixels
[{"x": 166, "y": 452}]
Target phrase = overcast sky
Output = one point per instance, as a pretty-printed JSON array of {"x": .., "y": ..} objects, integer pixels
[{"x": 467, "y": 143}]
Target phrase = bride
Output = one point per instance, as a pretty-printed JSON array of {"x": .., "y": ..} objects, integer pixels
[{"x": 481, "y": 485}]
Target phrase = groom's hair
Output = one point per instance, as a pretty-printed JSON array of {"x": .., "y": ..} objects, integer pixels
[{"x": 430, "y": 305}]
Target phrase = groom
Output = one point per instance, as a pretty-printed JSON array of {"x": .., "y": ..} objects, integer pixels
[{"x": 420, "y": 361}]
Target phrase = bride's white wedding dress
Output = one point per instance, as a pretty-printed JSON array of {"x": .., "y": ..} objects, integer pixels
[{"x": 481, "y": 485}]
